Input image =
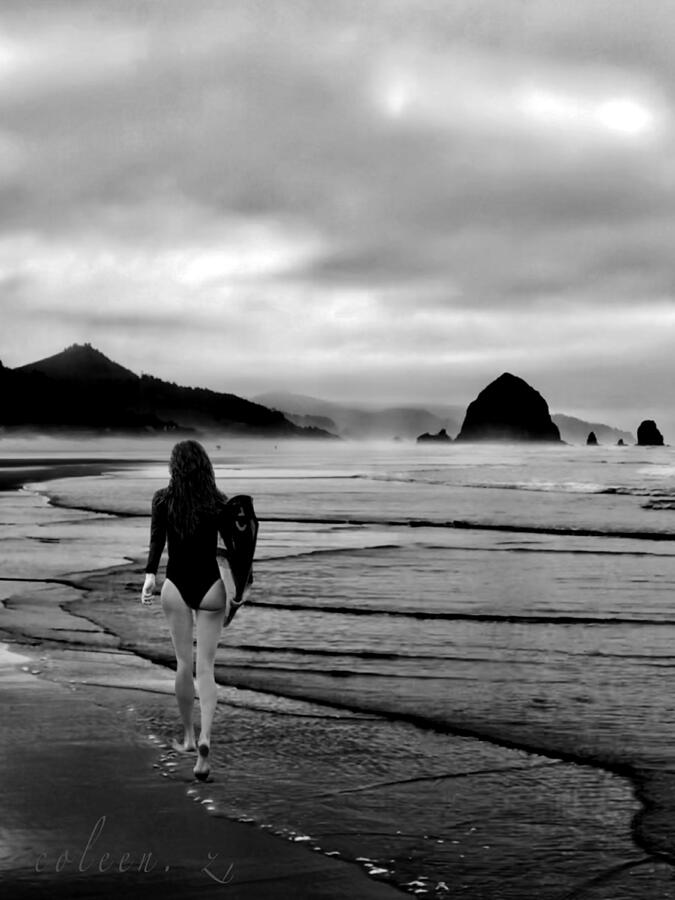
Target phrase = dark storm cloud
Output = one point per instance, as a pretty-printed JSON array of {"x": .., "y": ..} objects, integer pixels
[{"x": 328, "y": 184}]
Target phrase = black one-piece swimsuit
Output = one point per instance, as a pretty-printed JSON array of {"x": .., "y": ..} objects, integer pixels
[{"x": 192, "y": 564}]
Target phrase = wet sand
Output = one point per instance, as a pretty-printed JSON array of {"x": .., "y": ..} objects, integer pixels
[
  {"x": 91, "y": 733},
  {"x": 89, "y": 814},
  {"x": 16, "y": 472},
  {"x": 90, "y": 718}
]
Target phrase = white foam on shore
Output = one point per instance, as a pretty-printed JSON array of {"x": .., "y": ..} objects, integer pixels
[
  {"x": 9, "y": 659},
  {"x": 15, "y": 668}
]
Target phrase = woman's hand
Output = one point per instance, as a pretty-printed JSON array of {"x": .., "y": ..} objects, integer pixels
[{"x": 148, "y": 589}]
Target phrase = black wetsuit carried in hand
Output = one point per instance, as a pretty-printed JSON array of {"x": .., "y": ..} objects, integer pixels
[{"x": 192, "y": 564}]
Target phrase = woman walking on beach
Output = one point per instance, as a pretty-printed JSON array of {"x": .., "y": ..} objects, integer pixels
[{"x": 189, "y": 514}]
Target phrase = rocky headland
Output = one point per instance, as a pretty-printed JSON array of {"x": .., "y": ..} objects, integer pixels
[{"x": 82, "y": 390}]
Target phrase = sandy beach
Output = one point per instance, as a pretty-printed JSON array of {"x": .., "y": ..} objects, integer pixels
[
  {"x": 92, "y": 816},
  {"x": 91, "y": 713}
]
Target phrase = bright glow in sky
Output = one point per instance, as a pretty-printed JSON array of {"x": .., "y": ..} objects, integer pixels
[
  {"x": 625, "y": 115},
  {"x": 387, "y": 202},
  {"x": 620, "y": 115},
  {"x": 397, "y": 97}
]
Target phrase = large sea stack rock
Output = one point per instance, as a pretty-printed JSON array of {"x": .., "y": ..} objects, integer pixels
[
  {"x": 591, "y": 440},
  {"x": 508, "y": 409},
  {"x": 648, "y": 435}
]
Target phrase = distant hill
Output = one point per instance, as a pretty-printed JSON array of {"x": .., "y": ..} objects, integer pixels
[
  {"x": 576, "y": 431},
  {"x": 79, "y": 361},
  {"x": 80, "y": 388},
  {"x": 313, "y": 422},
  {"x": 357, "y": 422},
  {"x": 447, "y": 411}
]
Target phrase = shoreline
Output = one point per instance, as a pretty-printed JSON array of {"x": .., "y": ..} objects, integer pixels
[
  {"x": 79, "y": 582},
  {"x": 16, "y": 472},
  {"x": 625, "y": 771},
  {"x": 576, "y": 765},
  {"x": 116, "y": 823}
]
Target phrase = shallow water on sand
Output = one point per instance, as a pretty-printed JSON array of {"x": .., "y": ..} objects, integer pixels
[
  {"x": 520, "y": 595},
  {"x": 497, "y": 631}
]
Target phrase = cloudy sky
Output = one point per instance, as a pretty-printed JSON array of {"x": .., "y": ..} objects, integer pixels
[{"x": 387, "y": 200}]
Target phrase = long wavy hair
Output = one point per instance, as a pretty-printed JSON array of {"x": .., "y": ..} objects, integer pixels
[{"x": 192, "y": 492}]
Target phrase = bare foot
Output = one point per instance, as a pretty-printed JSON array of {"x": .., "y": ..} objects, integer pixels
[
  {"x": 187, "y": 746},
  {"x": 202, "y": 767}
]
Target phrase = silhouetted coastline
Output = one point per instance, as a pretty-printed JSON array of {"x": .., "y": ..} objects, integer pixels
[{"x": 81, "y": 389}]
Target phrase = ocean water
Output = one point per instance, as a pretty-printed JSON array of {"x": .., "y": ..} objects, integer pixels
[{"x": 523, "y": 596}]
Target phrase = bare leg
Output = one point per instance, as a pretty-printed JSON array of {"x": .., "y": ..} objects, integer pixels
[
  {"x": 209, "y": 627},
  {"x": 179, "y": 618}
]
